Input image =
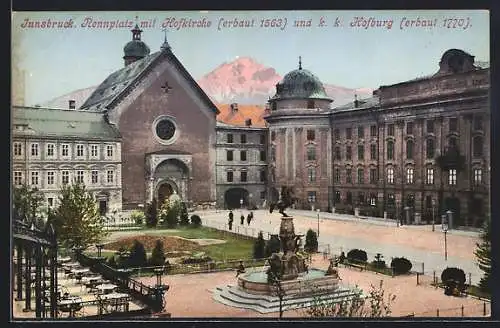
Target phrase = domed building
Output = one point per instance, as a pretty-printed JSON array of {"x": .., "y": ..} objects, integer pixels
[
  {"x": 135, "y": 49},
  {"x": 300, "y": 141}
]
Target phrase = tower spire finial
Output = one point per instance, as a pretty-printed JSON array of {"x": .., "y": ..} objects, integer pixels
[
  {"x": 300, "y": 62},
  {"x": 136, "y": 31},
  {"x": 165, "y": 44}
]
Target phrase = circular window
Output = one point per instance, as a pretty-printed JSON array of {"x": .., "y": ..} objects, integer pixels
[{"x": 165, "y": 129}]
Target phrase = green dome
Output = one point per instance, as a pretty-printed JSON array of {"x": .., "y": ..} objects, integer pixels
[
  {"x": 136, "y": 48},
  {"x": 300, "y": 83}
]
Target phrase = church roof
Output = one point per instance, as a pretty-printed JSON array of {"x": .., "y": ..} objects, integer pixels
[
  {"x": 48, "y": 122},
  {"x": 239, "y": 117},
  {"x": 362, "y": 104}
]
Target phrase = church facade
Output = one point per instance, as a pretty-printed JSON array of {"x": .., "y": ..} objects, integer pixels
[{"x": 416, "y": 149}]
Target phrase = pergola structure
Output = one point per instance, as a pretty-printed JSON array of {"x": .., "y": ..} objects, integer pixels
[{"x": 35, "y": 267}]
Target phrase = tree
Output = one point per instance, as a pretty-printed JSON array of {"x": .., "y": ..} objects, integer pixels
[
  {"x": 76, "y": 220},
  {"x": 137, "y": 256},
  {"x": 184, "y": 216},
  {"x": 152, "y": 214},
  {"x": 273, "y": 245},
  {"x": 169, "y": 213},
  {"x": 158, "y": 254},
  {"x": 483, "y": 255},
  {"x": 311, "y": 245},
  {"x": 379, "y": 305},
  {"x": 259, "y": 247},
  {"x": 26, "y": 203}
]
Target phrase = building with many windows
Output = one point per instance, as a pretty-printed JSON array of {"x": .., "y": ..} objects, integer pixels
[{"x": 53, "y": 147}]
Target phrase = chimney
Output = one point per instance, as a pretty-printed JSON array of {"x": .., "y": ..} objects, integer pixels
[
  {"x": 71, "y": 104},
  {"x": 234, "y": 107},
  {"x": 356, "y": 101},
  {"x": 248, "y": 122}
]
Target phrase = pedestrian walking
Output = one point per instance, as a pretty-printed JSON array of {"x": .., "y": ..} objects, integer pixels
[
  {"x": 230, "y": 221},
  {"x": 249, "y": 218},
  {"x": 242, "y": 219}
]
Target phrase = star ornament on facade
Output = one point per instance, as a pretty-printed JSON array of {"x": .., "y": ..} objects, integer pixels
[{"x": 166, "y": 87}]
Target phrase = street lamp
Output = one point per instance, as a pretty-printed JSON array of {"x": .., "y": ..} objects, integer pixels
[
  {"x": 433, "y": 213},
  {"x": 241, "y": 203},
  {"x": 445, "y": 231},
  {"x": 317, "y": 211}
]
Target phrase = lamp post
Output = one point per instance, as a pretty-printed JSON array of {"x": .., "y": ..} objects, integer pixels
[
  {"x": 99, "y": 248},
  {"x": 433, "y": 214},
  {"x": 445, "y": 231},
  {"x": 317, "y": 211},
  {"x": 241, "y": 203}
]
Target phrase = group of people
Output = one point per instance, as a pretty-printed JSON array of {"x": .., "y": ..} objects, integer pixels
[{"x": 242, "y": 219}]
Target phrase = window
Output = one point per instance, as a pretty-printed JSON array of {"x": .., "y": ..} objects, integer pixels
[
  {"x": 337, "y": 175},
  {"x": 337, "y": 153},
  {"x": 373, "y": 200},
  {"x": 373, "y": 176},
  {"x": 262, "y": 195},
  {"x": 311, "y": 153},
  {"x": 93, "y": 151},
  {"x": 361, "y": 152},
  {"x": 79, "y": 176},
  {"x": 50, "y": 150},
  {"x": 311, "y": 174},
  {"x": 478, "y": 123},
  {"x": 409, "y": 149},
  {"x": 110, "y": 175},
  {"x": 79, "y": 150},
  {"x": 34, "y": 178},
  {"x": 243, "y": 155},
  {"x": 109, "y": 151},
  {"x": 430, "y": 149},
  {"x": 452, "y": 177},
  {"x": 34, "y": 149},
  {"x": 243, "y": 176},
  {"x": 273, "y": 135},
  {"x": 391, "y": 199},
  {"x": 390, "y": 130},
  {"x": 273, "y": 153},
  {"x": 348, "y": 197},
  {"x": 229, "y": 176},
  {"x": 229, "y": 155},
  {"x": 348, "y": 175},
  {"x": 262, "y": 176},
  {"x": 95, "y": 177},
  {"x": 18, "y": 149},
  {"x": 336, "y": 134},
  {"x": 50, "y": 178},
  {"x": 361, "y": 132},
  {"x": 409, "y": 175},
  {"x": 373, "y": 130},
  {"x": 311, "y": 196},
  {"x": 229, "y": 138},
  {"x": 390, "y": 150},
  {"x": 18, "y": 178},
  {"x": 430, "y": 126},
  {"x": 348, "y": 153},
  {"x": 50, "y": 201},
  {"x": 409, "y": 128},
  {"x": 65, "y": 177},
  {"x": 65, "y": 150},
  {"x": 337, "y": 196},
  {"x": 453, "y": 124},
  {"x": 373, "y": 152},
  {"x": 243, "y": 138},
  {"x": 428, "y": 201},
  {"x": 361, "y": 176},
  {"x": 310, "y": 104},
  {"x": 310, "y": 135},
  {"x": 478, "y": 176},
  {"x": 262, "y": 155},
  {"x": 361, "y": 198},
  {"x": 477, "y": 145},
  {"x": 262, "y": 139},
  {"x": 348, "y": 133},
  {"x": 429, "y": 176},
  {"x": 390, "y": 175}
]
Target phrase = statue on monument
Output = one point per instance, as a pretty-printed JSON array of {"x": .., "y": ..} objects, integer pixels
[{"x": 286, "y": 199}]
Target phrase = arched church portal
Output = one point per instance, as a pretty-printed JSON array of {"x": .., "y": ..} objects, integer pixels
[
  {"x": 165, "y": 190},
  {"x": 170, "y": 176}
]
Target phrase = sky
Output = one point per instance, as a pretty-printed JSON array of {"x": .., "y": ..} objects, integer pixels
[{"x": 370, "y": 53}]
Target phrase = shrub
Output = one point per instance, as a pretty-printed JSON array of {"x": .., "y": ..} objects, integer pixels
[
  {"x": 158, "y": 254},
  {"x": 455, "y": 274},
  {"x": 111, "y": 261},
  {"x": 195, "y": 220},
  {"x": 379, "y": 263},
  {"x": 137, "y": 256},
  {"x": 401, "y": 265},
  {"x": 357, "y": 255},
  {"x": 273, "y": 245},
  {"x": 184, "y": 216},
  {"x": 152, "y": 213},
  {"x": 311, "y": 245},
  {"x": 259, "y": 247},
  {"x": 138, "y": 217}
]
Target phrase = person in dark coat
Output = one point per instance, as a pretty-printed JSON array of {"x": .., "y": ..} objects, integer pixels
[
  {"x": 249, "y": 218},
  {"x": 242, "y": 219},
  {"x": 230, "y": 221},
  {"x": 240, "y": 269}
]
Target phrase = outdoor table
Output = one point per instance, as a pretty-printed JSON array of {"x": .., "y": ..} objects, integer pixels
[
  {"x": 65, "y": 259},
  {"x": 115, "y": 299},
  {"x": 72, "y": 303},
  {"x": 106, "y": 288},
  {"x": 80, "y": 270},
  {"x": 71, "y": 264},
  {"x": 91, "y": 278},
  {"x": 114, "y": 296}
]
